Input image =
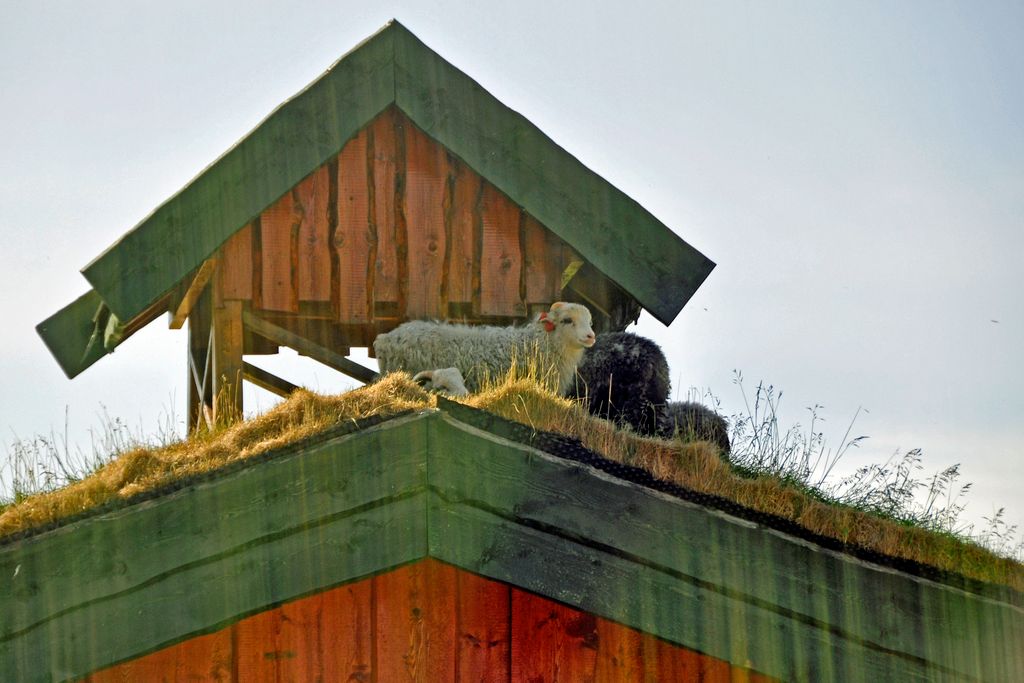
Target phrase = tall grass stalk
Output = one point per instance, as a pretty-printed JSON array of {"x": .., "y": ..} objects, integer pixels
[{"x": 897, "y": 489}]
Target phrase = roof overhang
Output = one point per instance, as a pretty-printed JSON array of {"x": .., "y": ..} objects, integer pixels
[
  {"x": 609, "y": 229},
  {"x": 472, "y": 490}
]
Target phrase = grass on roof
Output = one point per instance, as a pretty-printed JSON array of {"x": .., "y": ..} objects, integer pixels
[{"x": 695, "y": 465}]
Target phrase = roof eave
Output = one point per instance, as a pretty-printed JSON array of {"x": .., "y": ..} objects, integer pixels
[{"x": 613, "y": 232}]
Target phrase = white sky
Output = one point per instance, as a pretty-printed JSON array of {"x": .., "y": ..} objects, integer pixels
[{"x": 855, "y": 169}]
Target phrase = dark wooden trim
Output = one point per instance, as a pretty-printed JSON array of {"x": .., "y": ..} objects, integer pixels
[
  {"x": 332, "y": 237},
  {"x": 478, "y": 247},
  {"x": 267, "y": 380},
  {"x": 283, "y": 337},
  {"x": 373, "y": 240},
  {"x": 401, "y": 225}
]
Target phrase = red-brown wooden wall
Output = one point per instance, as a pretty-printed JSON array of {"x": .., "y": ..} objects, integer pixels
[
  {"x": 394, "y": 228},
  {"x": 426, "y": 622}
]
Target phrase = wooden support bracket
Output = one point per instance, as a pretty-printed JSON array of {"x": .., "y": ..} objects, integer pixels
[
  {"x": 266, "y": 380},
  {"x": 191, "y": 296},
  {"x": 284, "y": 337}
]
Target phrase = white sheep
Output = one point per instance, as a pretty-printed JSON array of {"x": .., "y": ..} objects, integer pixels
[
  {"x": 445, "y": 380},
  {"x": 552, "y": 344}
]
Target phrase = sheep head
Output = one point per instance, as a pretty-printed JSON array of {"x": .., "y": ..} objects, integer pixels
[
  {"x": 571, "y": 323},
  {"x": 443, "y": 380}
]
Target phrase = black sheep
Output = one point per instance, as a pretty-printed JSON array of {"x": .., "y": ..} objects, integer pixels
[
  {"x": 693, "y": 422},
  {"x": 624, "y": 378}
]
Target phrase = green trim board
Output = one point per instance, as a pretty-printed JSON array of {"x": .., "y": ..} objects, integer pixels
[
  {"x": 393, "y": 67},
  {"x": 431, "y": 484},
  {"x": 71, "y": 334}
]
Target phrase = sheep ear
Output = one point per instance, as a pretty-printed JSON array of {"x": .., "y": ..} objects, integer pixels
[{"x": 558, "y": 304}]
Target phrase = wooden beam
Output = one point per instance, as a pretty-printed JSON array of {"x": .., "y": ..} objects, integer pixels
[
  {"x": 227, "y": 362},
  {"x": 283, "y": 337},
  {"x": 192, "y": 293},
  {"x": 268, "y": 381}
]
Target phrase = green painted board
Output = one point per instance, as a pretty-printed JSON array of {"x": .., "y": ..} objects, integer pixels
[
  {"x": 68, "y": 334},
  {"x": 638, "y": 595},
  {"x": 609, "y": 229},
  {"x": 288, "y": 145},
  {"x": 338, "y": 508},
  {"x": 862, "y": 603},
  {"x": 613, "y": 232},
  {"x": 85, "y": 595}
]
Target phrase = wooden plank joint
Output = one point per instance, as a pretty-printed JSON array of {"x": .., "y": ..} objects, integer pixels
[
  {"x": 330, "y": 358},
  {"x": 192, "y": 294}
]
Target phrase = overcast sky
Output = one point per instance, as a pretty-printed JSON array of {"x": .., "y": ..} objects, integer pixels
[{"x": 855, "y": 169}]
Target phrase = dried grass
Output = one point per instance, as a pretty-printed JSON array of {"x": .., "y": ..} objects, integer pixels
[{"x": 696, "y": 465}]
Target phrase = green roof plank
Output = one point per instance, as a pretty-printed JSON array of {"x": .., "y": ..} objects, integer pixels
[
  {"x": 71, "y": 334},
  {"x": 118, "y": 584},
  {"x": 294, "y": 140},
  {"x": 340, "y": 507},
  {"x": 845, "y": 612},
  {"x": 617, "y": 235},
  {"x": 609, "y": 229}
]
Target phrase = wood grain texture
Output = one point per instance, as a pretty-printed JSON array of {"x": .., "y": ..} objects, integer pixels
[
  {"x": 464, "y": 211},
  {"x": 610, "y": 229},
  {"x": 311, "y": 198},
  {"x": 542, "y": 263},
  {"x": 415, "y": 622},
  {"x": 325, "y": 637},
  {"x": 179, "y": 313},
  {"x": 426, "y": 622},
  {"x": 426, "y": 173},
  {"x": 352, "y": 236},
  {"x": 501, "y": 259},
  {"x": 204, "y": 658},
  {"x": 279, "y": 230},
  {"x": 551, "y": 642},
  {"x": 227, "y": 368},
  {"x": 484, "y": 629},
  {"x": 620, "y": 654},
  {"x": 385, "y": 164},
  {"x": 234, "y": 269}
]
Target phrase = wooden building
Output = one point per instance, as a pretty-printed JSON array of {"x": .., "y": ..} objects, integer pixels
[
  {"x": 449, "y": 544},
  {"x": 453, "y": 545},
  {"x": 392, "y": 188}
]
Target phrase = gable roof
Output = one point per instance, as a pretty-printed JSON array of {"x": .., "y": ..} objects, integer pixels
[
  {"x": 498, "y": 499},
  {"x": 610, "y": 230}
]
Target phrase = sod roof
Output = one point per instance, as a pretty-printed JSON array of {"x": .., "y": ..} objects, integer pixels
[
  {"x": 657, "y": 535},
  {"x": 695, "y": 469}
]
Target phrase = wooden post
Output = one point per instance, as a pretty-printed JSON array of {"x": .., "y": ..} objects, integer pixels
[{"x": 227, "y": 361}]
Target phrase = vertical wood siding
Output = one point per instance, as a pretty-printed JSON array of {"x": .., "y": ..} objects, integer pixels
[
  {"x": 394, "y": 227},
  {"x": 426, "y": 622}
]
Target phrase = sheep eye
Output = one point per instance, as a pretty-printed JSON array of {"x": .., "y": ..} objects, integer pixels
[{"x": 567, "y": 321}]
